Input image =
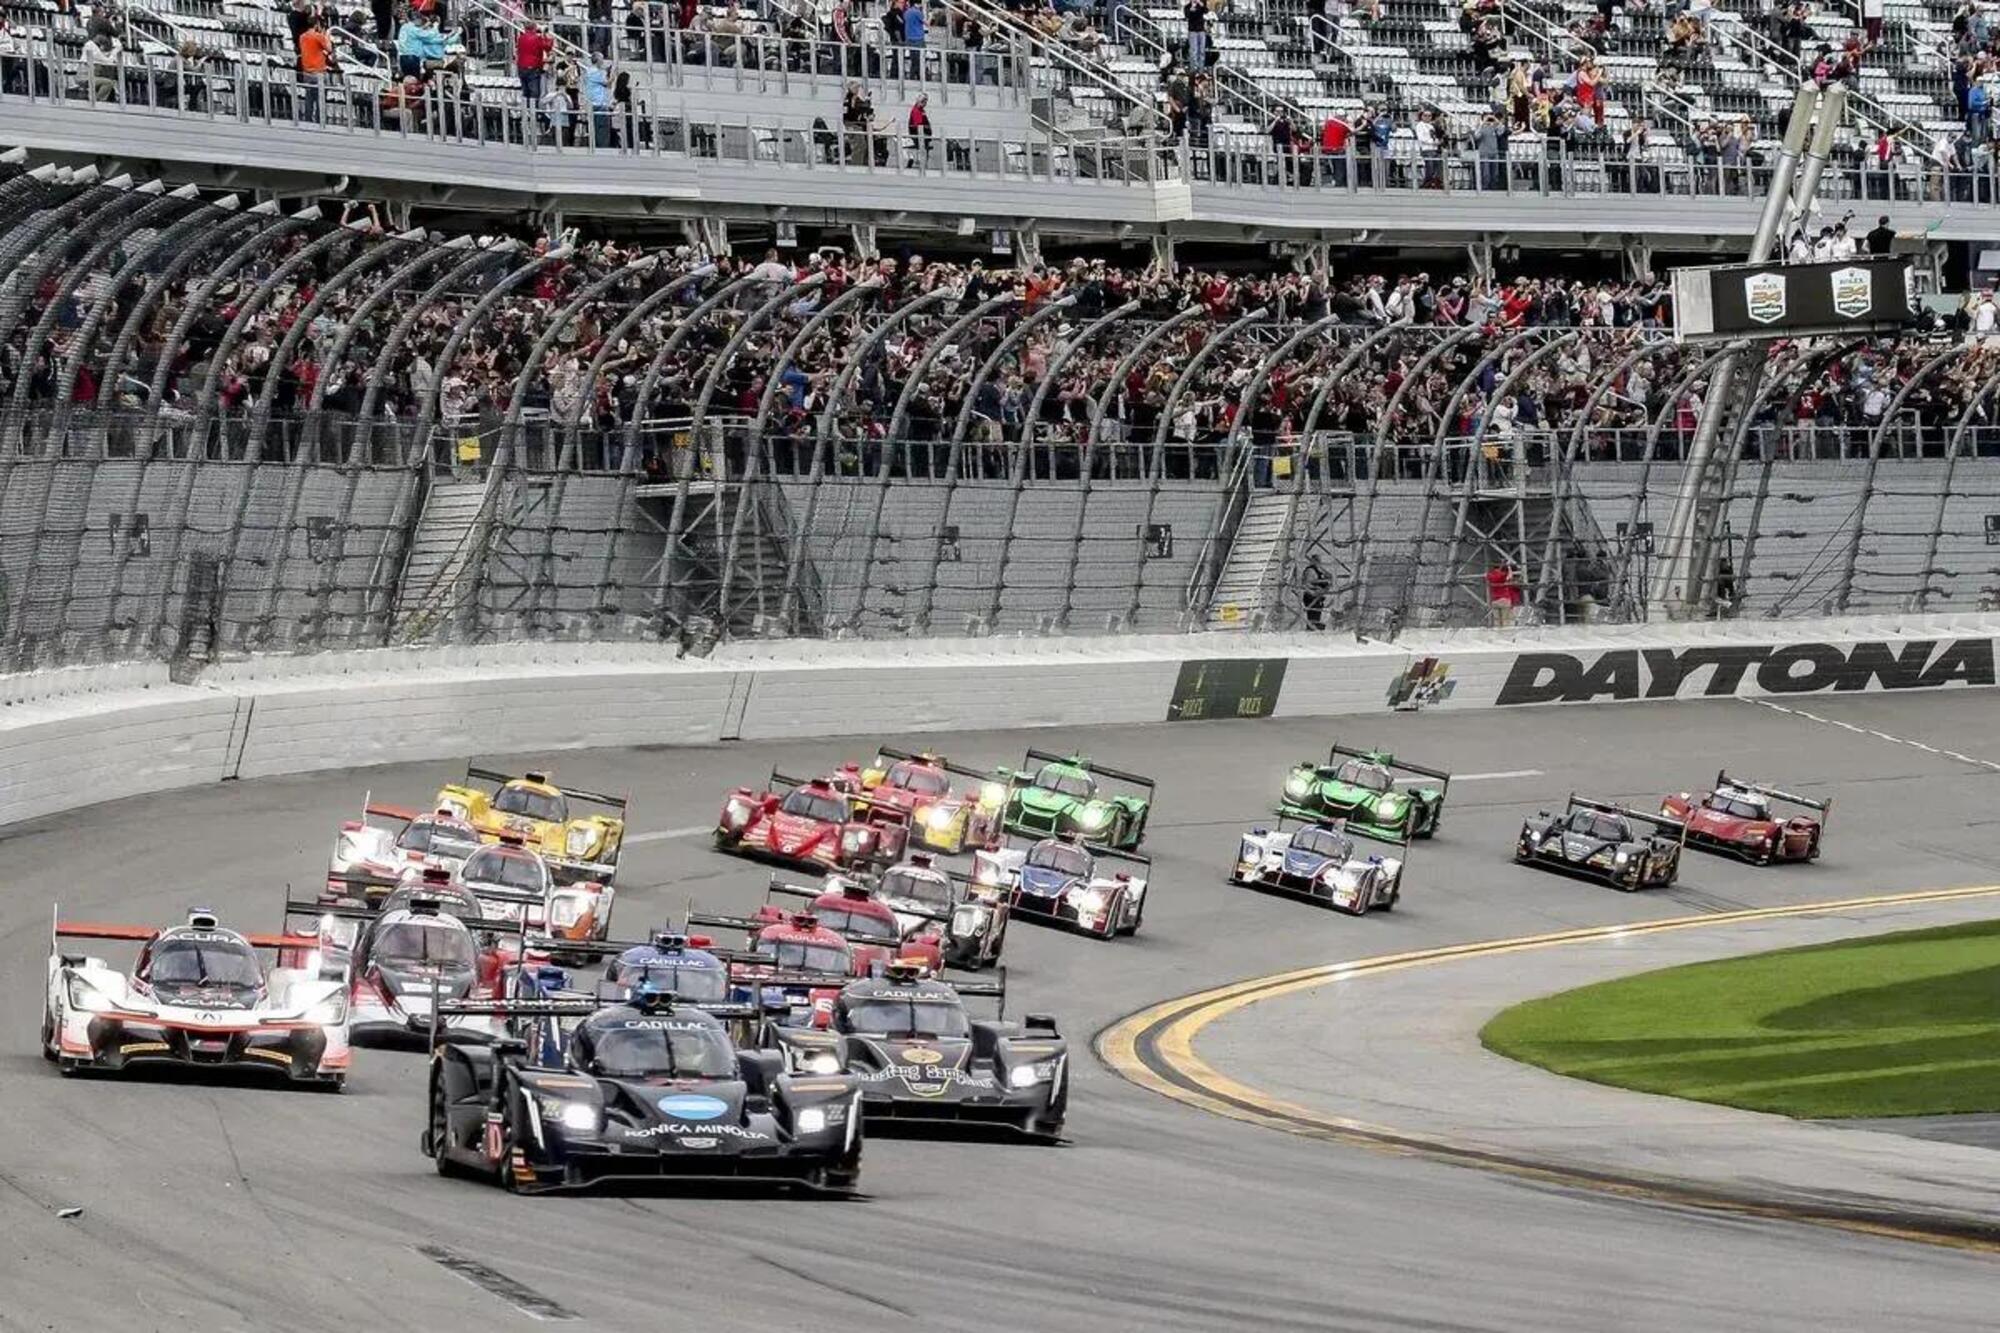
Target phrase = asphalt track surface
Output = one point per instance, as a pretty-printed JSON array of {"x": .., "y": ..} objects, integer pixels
[{"x": 254, "y": 1207}]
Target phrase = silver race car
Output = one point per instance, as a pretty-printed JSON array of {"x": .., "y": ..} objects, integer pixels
[{"x": 1321, "y": 862}]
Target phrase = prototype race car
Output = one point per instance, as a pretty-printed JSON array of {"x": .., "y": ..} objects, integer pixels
[
  {"x": 850, "y": 907},
  {"x": 1737, "y": 818},
  {"x": 645, "y": 1090},
  {"x": 536, "y": 811},
  {"x": 918, "y": 786},
  {"x": 1058, "y": 795},
  {"x": 198, "y": 997},
  {"x": 1320, "y": 862},
  {"x": 1363, "y": 787},
  {"x": 1604, "y": 841},
  {"x": 794, "y": 941},
  {"x": 517, "y": 883},
  {"x": 401, "y": 846},
  {"x": 921, "y": 1058},
  {"x": 422, "y": 946},
  {"x": 811, "y": 822},
  {"x": 1058, "y": 879},
  {"x": 926, "y": 896}
]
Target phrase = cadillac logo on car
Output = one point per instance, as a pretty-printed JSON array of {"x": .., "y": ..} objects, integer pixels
[{"x": 1764, "y": 297}]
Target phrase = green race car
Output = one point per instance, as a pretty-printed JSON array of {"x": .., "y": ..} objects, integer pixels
[
  {"x": 1370, "y": 790},
  {"x": 1052, "y": 795}
]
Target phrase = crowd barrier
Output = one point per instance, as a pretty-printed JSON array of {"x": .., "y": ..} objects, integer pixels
[{"x": 74, "y": 738}]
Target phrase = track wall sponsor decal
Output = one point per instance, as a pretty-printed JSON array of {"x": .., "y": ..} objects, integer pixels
[
  {"x": 1719, "y": 672},
  {"x": 1213, "y": 687}
]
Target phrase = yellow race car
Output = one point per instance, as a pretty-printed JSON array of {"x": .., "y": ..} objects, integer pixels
[{"x": 537, "y": 812}]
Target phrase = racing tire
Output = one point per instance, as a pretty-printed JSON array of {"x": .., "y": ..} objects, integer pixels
[
  {"x": 726, "y": 842},
  {"x": 48, "y": 1034},
  {"x": 1812, "y": 850},
  {"x": 439, "y": 1135}
]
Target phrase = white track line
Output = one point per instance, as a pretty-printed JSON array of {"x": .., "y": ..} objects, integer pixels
[
  {"x": 661, "y": 835},
  {"x": 1509, "y": 773},
  {"x": 1987, "y": 764}
]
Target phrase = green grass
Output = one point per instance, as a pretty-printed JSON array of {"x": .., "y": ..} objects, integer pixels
[{"x": 1904, "y": 1024}]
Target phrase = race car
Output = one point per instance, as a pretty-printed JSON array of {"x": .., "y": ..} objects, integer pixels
[
  {"x": 1627, "y": 849},
  {"x": 1320, "y": 862},
  {"x": 794, "y": 941},
  {"x": 918, "y": 786},
  {"x": 532, "y": 808},
  {"x": 516, "y": 883},
  {"x": 401, "y": 845},
  {"x": 925, "y": 897},
  {"x": 809, "y": 822},
  {"x": 421, "y": 946},
  {"x": 645, "y": 1089},
  {"x": 1058, "y": 795},
  {"x": 198, "y": 997},
  {"x": 1059, "y": 879},
  {"x": 849, "y": 907},
  {"x": 921, "y": 1058},
  {"x": 1371, "y": 790},
  {"x": 1736, "y": 818}
]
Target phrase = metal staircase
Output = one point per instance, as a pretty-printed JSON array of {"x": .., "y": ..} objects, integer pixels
[
  {"x": 440, "y": 551},
  {"x": 729, "y": 557},
  {"x": 1246, "y": 592}
]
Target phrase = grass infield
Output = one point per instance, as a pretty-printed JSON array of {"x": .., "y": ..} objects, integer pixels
[{"x": 1904, "y": 1024}]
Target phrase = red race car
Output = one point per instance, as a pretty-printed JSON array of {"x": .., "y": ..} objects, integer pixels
[
  {"x": 809, "y": 821},
  {"x": 849, "y": 908},
  {"x": 1737, "y": 819},
  {"x": 917, "y": 788}
]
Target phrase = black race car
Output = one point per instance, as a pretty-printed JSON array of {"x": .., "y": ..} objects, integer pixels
[
  {"x": 921, "y": 1059},
  {"x": 645, "y": 1089},
  {"x": 1627, "y": 849}
]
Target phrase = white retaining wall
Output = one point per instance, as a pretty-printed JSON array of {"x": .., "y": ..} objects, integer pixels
[{"x": 74, "y": 738}]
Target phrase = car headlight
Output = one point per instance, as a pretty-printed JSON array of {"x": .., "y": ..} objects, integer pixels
[
  {"x": 939, "y": 817},
  {"x": 1027, "y": 1076},
  {"x": 816, "y": 1062},
  {"x": 455, "y": 808},
  {"x": 577, "y": 1117},
  {"x": 1090, "y": 900},
  {"x": 1623, "y": 856},
  {"x": 985, "y": 872},
  {"x": 568, "y": 909},
  {"x": 580, "y": 840},
  {"x": 329, "y": 1013},
  {"x": 852, "y": 839},
  {"x": 736, "y": 811},
  {"x": 993, "y": 794},
  {"x": 812, "y": 1120},
  {"x": 1389, "y": 805},
  {"x": 1094, "y": 815},
  {"x": 968, "y": 919},
  {"x": 1297, "y": 785},
  {"x": 1601, "y": 858},
  {"x": 84, "y": 996}
]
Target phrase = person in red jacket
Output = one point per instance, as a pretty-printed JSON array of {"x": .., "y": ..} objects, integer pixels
[
  {"x": 1334, "y": 137},
  {"x": 531, "y": 57}
]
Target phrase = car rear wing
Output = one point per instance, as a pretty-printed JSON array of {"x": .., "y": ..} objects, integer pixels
[
  {"x": 1131, "y": 858},
  {"x": 790, "y": 889},
  {"x": 297, "y": 907},
  {"x": 372, "y": 808},
  {"x": 494, "y": 776},
  {"x": 1091, "y": 767},
  {"x": 60, "y": 929},
  {"x": 1394, "y": 765},
  {"x": 1823, "y": 807},
  {"x": 1346, "y": 828},
  {"x": 784, "y": 781},
  {"x": 937, "y": 761},
  {"x": 1674, "y": 828},
  {"x": 748, "y": 925}
]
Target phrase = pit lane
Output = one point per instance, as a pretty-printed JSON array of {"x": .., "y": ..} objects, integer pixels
[{"x": 251, "y": 1207}]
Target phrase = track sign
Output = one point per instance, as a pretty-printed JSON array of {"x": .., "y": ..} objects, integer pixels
[
  {"x": 1853, "y": 291},
  {"x": 1764, "y": 297}
]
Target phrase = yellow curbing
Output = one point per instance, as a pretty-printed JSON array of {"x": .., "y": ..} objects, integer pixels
[{"x": 1154, "y": 1048}]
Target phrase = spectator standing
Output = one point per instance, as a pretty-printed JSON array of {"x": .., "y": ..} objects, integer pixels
[
  {"x": 419, "y": 46},
  {"x": 1882, "y": 238},
  {"x": 1196, "y": 14},
  {"x": 596, "y": 81},
  {"x": 913, "y": 36},
  {"x": 1323, "y": 24},
  {"x": 298, "y": 22},
  {"x": 1871, "y": 20},
  {"x": 316, "y": 63},
  {"x": 920, "y": 129},
  {"x": 1335, "y": 136},
  {"x": 1503, "y": 592},
  {"x": 1977, "y": 120},
  {"x": 1590, "y": 91},
  {"x": 531, "y": 58},
  {"x": 1430, "y": 150},
  {"x": 1489, "y": 144},
  {"x": 103, "y": 56}
]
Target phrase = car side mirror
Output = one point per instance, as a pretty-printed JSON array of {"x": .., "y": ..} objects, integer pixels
[{"x": 1043, "y": 1023}]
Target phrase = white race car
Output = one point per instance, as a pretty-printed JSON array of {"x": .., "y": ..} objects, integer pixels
[
  {"x": 197, "y": 997},
  {"x": 1060, "y": 879},
  {"x": 1318, "y": 861},
  {"x": 395, "y": 843},
  {"x": 514, "y": 883}
]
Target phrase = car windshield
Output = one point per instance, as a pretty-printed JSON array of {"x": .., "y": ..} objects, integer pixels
[
  {"x": 805, "y": 957},
  {"x": 923, "y": 781},
  {"x": 915, "y": 886},
  {"x": 1066, "y": 857},
  {"x": 688, "y": 980},
  {"x": 1605, "y": 828},
  {"x": 543, "y": 806},
  {"x": 624, "y": 1046},
  {"x": 1323, "y": 841},
  {"x": 815, "y": 805},
  {"x": 437, "y": 840},
  {"x": 905, "y": 1018},
  {"x": 204, "y": 962},
  {"x": 423, "y": 942},
  {"x": 507, "y": 869},
  {"x": 861, "y": 925},
  {"x": 1068, "y": 781},
  {"x": 1739, "y": 805},
  {"x": 1368, "y": 777}
]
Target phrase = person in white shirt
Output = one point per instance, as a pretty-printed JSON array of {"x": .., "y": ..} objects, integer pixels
[
  {"x": 773, "y": 271},
  {"x": 1984, "y": 316},
  {"x": 1843, "y": 244},
  {"x": 102, "y": 56}
]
